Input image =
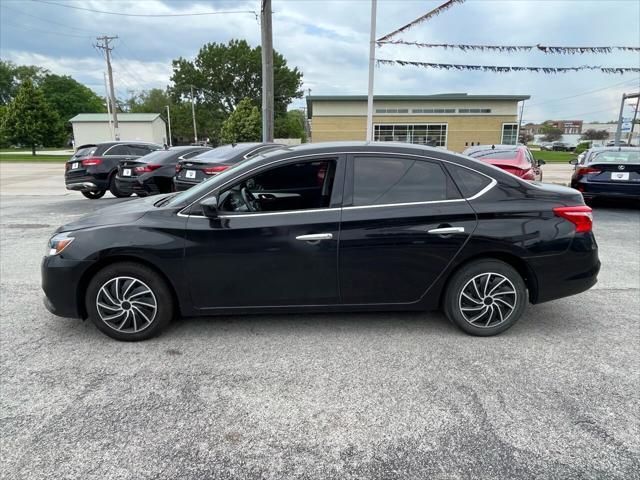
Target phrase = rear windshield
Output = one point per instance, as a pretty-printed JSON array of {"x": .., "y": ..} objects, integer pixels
[
  {"x": 159, "y": 157},
  {"x": 495, "y": 154},
  {"x": 85, "y": 152},
  {"x": 632, "y": 156},
  {"x": 226, "y": 151}
]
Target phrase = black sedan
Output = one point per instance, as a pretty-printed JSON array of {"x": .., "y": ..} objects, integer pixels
[
  {"x": 153, "y": 173},
  {"x": 92, "y": 169},
  {"x": 193, "y": 171},
  {"x": 328, "y": 227},
  {"x": 608, "y": 172}
]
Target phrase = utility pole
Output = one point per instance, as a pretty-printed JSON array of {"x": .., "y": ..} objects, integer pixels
[
  {"x": 372, "y": 58},
  {"x": 267, "y": 71},
  {"x": 619, "y": 129},
  {"x": 108, "y": 98},
  {"x": 169, "y": 123},
  {"x": 633, "y": 122},
  {"x": 519, "y": 123},
  {"x": 104, "y": 45},
  {"x": 193, "y": 116}
]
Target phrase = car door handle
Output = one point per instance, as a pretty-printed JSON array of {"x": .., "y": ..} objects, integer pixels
[
  {"x": 315, "y": 237},
  {"x": 445, "y": 230}
]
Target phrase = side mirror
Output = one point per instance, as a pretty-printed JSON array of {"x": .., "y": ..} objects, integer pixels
[
  {"x": 541, "y": 162},
  {"x": 210, "y": 207},
  {"x": 573, "y": 161}
]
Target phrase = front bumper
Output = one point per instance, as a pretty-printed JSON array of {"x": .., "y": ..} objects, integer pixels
[{"x": 62, "y": 285}]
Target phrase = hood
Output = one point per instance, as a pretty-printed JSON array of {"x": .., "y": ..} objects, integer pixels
[{"x": 125, "y": 212}]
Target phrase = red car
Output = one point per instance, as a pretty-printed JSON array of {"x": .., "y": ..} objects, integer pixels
[{"x": 515, "y": 159}]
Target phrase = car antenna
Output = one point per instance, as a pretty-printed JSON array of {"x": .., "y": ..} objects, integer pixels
[{"x": 493, "y": 147}]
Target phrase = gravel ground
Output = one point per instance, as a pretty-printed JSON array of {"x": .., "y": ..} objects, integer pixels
[{"x": 393, "y": 395}]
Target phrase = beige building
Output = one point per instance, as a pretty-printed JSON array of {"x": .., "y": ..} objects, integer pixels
[
  {"x": 95, "y": 128},
  {"x": 453, "y": 121}
]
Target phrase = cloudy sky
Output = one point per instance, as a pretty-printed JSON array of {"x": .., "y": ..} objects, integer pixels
[{"x": 328, "y": 41}]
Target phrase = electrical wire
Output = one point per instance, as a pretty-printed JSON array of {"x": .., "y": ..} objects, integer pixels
[
  {"x": 48, "y": 21},
  {"x": 157, "y": 15},
  {"x": 48, "y": 32},
  {"x": 559, "y": 99}
]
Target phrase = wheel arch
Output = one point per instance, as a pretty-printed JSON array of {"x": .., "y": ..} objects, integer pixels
[
  {"x": 519, "y": 264},
  {"x": 105, "y": 262}
]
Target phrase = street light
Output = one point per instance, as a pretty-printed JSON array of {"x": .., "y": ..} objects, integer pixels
[{"x": 169, "y": 123}]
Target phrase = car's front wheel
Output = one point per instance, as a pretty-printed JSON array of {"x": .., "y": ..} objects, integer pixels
[
  {"x": 485, "y": 297},
  {"x": 93, "y": 195},
  {"x": 129, "y": 301}
]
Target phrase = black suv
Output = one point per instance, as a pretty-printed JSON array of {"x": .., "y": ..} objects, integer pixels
[{"x": 92, "y": 168}]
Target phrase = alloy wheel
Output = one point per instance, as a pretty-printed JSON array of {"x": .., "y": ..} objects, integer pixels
[
  {"x": 126, "y": 304},
  {"x": 487, "y": 300}
]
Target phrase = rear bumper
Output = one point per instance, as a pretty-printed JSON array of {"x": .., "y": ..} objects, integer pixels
[
  {"x": 566, "y": 274},
  {"x": 87, "y": 182},
  {"x": 140, "y": 186},
  {"x": 608, "y": 189},
  {"x": 60, "y": 283}
]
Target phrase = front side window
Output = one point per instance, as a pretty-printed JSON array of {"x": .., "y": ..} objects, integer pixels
[
  {"x": 390, "y": 180},
  {"x": 433, "y": 135},
  {"x": 297, "y": 186},
  {"x": 509, "y": 133}
]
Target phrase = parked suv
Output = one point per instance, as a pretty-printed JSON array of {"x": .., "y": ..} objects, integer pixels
[
  {"x": 153, "y": 173},
  {"x": 92, "y": 169}
]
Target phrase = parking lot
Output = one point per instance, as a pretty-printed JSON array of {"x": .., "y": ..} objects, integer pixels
[{"x": 389, "y": 395}]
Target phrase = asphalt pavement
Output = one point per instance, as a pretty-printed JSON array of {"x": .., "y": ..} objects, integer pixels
[{"x": 328, "y": 396}]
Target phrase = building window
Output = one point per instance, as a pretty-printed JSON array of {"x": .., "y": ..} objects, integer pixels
[
  {"x": 433, "y": 110},
  {"x": 434, "y": 135},
  {"x": 509, "y": 133},
  {"x": 474, "y": 110},
  {"x": 392, "y": 110}
]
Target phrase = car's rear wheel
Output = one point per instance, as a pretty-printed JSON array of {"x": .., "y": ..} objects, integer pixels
[
  {"x": 94, "y": 195},
  {"x": 115, "y": 191},
  {"x": 485, "y": 297},
  {"x": 129, "y": 301}
]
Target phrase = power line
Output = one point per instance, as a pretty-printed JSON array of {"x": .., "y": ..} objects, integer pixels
[
  {"x": 48, "y": 32},
  {"x": 583, "y": 93},
  {"x": 47, "y": 20},
  {"x": 195, "y": 14}
]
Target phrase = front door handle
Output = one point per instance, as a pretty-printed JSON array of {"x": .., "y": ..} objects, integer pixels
[
  {"x": 315, "y": 237},
  {"x": 446, "y": 230}
]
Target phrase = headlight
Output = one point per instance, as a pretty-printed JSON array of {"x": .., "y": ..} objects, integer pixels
[{"x": 59, "y": 242}]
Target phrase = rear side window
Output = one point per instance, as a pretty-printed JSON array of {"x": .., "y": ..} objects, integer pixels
[
  {"x": 117, "y": 150},
  {"x": 382, "y": 180},
  {"x": 469, "y": 182}
]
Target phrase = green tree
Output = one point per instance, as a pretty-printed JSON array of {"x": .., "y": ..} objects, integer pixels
[
  {"x": 69, "y": 97},
  {"x": 222, "y": 75},
  {"x": 291, "y": 125},
  {"x": 551, "y": 133},
  {"x": 592, "y": 134},
  {"x": 12, "y": 75},
  {"x": 30, "y": 120},
  {"x": 243, "y": 125}
]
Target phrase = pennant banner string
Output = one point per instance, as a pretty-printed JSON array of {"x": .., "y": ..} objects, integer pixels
[
  {"x": 505, "y": 69},
  {"x": 423, "y": 18},
  {"x": 512, "y": 48}
]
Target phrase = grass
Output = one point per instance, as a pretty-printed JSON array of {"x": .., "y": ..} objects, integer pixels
[
  {"x": 553, "y": 157},
  {"x": 28, "y": 158},
  {"x": 28, "y": 150}
]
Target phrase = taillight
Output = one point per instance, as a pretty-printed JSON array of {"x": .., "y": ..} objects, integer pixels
[
  {"x": 215, "y": 170},
  {"x": 90, "y": 162},
  {"x": 178, "y": 167},
  {"x": 147, "y": 168},
  {"x": 585, "y": 170},
  {"x": 581, "y": 216}
]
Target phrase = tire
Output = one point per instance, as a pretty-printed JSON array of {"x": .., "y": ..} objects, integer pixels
[
  {"x": 115, "y": 191},
  {"x": 466, "y": 311},
  {"x": 138, "y": 283},
  {"x": 93, "y": 195}
]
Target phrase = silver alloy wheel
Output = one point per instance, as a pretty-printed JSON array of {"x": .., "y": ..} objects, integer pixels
[
  {"x": 126, "y": 304},
  {"x": 487, "y": 300}
]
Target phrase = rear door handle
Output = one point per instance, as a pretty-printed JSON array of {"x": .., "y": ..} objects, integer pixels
[
  {"x": 446, "y": 230},
  {"x": 315, "y": 237}
]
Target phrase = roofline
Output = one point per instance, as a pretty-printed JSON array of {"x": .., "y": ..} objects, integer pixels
[
  {"x": 408, "y": 98},
  {"x": 122, "y": 117}
]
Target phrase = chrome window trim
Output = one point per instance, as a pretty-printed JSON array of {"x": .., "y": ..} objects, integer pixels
[{"x": 492, "y": 184}]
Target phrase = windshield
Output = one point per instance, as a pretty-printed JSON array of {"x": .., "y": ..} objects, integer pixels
[
  {"x": 629, "y": 156},
  {"x": 226, "y": 151},
  {"x": 85, "y": 152}
]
